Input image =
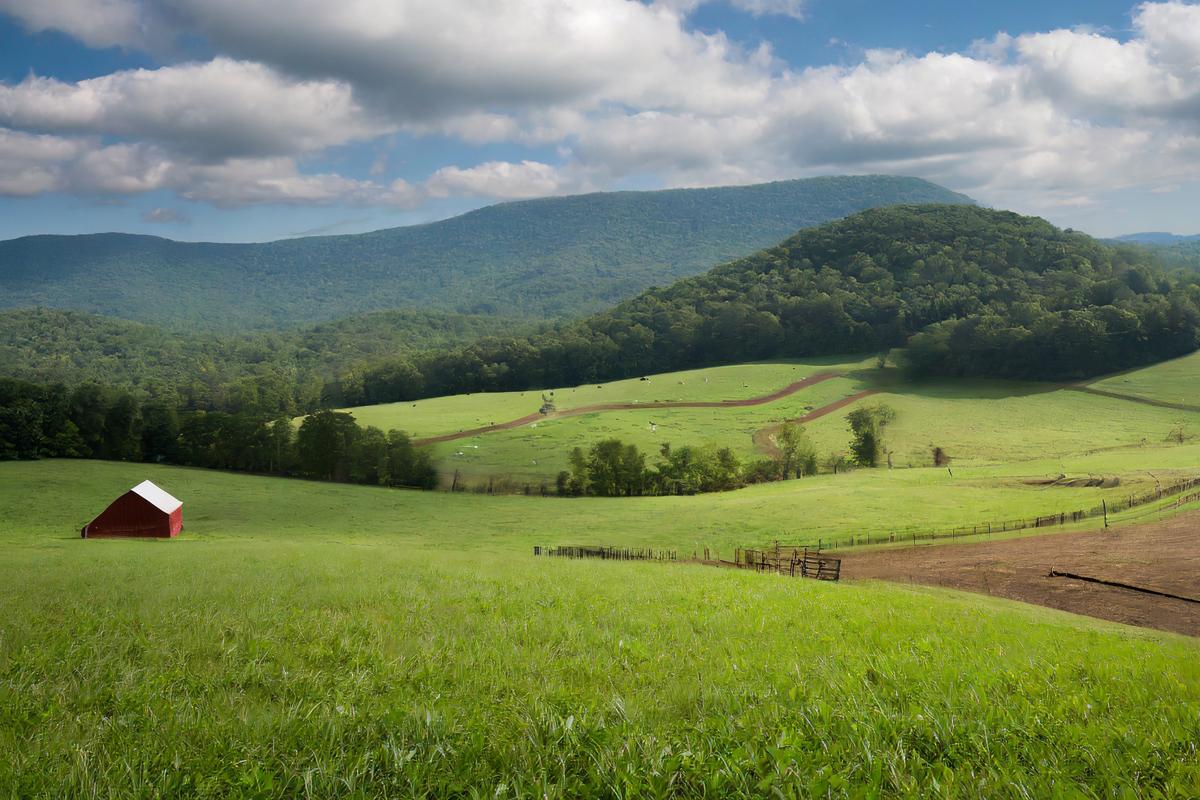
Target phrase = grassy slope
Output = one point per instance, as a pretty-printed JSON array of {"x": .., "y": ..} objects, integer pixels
[
  {"x": 333, "y": 641},
  {"x": 1176, "y": 381},
  {"x": 978, "y": 423},
  {"x": 441, "y": 415}
]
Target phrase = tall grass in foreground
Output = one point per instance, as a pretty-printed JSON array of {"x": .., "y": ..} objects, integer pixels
[{"x": 267, "y": 669}]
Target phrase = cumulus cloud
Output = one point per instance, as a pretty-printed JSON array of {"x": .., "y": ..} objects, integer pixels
[
  {"x": 501, "y": 180},
  {"x": 622, "y": 88},
  {"x": 98, "y": 23},
  {"x": 217, "y": 109}
]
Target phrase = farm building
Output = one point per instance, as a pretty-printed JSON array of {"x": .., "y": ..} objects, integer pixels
[{"x": 144, "y": 511}]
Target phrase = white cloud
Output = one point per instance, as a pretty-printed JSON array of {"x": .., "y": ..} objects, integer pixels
[
  {"x": 501, "y": 180},
  {"x": 97, "y": 23},
  {"x": 216, "y": 109},
  {"x": 620, "y": 87},
  {"x": 30, "y": 165},
  {"x": 786, "y": 8}
]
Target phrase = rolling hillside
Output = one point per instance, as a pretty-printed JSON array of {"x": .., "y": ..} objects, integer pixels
[
  {"x": 353, "y": 642},
  {"x": 536, "y": 259},
  {"x": 966, "y": 291},
  {"x": 1009, "y": 427}
]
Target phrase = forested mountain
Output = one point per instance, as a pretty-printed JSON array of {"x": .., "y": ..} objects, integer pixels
[
  {"x": 283, "y": 370},
  {"x": 969, "y": 291},
  {"x": 536, "y": 259},
  {"x": 1159, "y": 238}
]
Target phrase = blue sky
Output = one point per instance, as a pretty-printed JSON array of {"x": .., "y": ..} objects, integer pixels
[{"x": 231, "y": 121}]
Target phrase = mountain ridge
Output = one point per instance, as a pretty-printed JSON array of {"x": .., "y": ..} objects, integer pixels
[{"x": 537, "y": 259}]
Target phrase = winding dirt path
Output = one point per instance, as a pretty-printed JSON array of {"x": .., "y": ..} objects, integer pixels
[
  {"x": 575, "y": 412},
  {"x": 764, "y": 438}
]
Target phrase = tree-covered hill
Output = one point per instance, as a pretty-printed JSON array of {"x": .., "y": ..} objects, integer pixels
[
  {"x": 536, "y": 259},
  {"x": 969, "y": 291},
  {"x": 206, "y": 370}
]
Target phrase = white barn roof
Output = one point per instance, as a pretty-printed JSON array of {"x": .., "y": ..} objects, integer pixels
[{"x": 156, "y": 497}]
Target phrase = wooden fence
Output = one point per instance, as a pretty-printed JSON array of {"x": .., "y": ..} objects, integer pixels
[
  {"x": 607, "y": 553},
  {"x": 795, "y": 561}
]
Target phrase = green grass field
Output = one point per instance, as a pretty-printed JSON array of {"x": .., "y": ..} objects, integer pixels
[
  {"x": 307, "y": 639},
  {"x": 442, "y": 415},
  {"x": 316, "y": 640},
  {"x": 1175, "y": 381},
  {"x": 978, "y": 423}
]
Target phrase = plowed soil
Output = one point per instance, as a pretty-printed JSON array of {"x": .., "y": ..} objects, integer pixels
[{"x": 1164, "y": 556}]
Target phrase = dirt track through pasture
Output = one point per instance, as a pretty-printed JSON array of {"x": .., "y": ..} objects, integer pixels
[
  {"x": 764, "y": 438},
  {"x": 575, "y": 412},
  {"x": 1164, "y": 556}
]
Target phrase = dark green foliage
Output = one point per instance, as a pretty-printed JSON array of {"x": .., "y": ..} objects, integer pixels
[
  {"x": 101, "y": 422},
  {"x": 160, "y": 432},
  {"x": 266, "y": 373},
  {"x": 797, "y": 454},
  {"x": 540, "y": 259},
  {"x": 971, "y": 291},
  {"x": 323, "y": 442},
  {"x": 616, "y": 469},
  {"x": 612, "y": 468},
  {"x": 866, "y": 429}
]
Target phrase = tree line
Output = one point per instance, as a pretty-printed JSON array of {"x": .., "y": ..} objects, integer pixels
[
  {"x": 93, "y": 421},
  {"x": 614, "y": 468}
]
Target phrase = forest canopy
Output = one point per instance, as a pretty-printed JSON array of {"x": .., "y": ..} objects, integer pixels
[
  {"x": 969, "y": 291},
  {"x": 965, "y": 291}
]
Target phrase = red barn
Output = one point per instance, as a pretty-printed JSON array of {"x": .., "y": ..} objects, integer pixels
[{"x": 143, "y": 511}]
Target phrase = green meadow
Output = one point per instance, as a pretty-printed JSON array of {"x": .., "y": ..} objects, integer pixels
[
  {"x": 310, "y": 639},
  {"x": 1176, "y": 381},
  {"x": 317, "y": 640},
  {"x": 443, "y": 415},
  {"x": 975, "y": 422}
]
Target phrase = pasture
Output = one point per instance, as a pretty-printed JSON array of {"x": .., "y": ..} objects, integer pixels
[
  {"x": 51, "y": 500},
  {"x": 316, "y": 640},
  {"x": 444, "y": 415},
  {"x": 976, "y": 422},
  {"x": 1176, "y": 381}
]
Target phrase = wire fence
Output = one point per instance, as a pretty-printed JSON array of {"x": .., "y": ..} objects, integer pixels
[
  {"x": 914, "y": 534},
  {"x": 808, "y": 560}
]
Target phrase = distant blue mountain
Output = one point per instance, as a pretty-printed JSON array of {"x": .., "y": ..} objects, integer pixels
[
  {"x": 556, "y": 257},
  {"x": 1165, "y": 239}
]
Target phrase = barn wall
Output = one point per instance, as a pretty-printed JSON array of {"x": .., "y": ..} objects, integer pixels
[{"x": 131, "y": 515}]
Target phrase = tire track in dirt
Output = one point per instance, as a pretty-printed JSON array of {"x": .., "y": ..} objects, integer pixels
[
  {"x": 763, "y": 438},
  {"x": 790, "y": 389}
]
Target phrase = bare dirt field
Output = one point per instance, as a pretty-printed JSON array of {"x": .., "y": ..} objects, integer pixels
[{"x": 1164, "y": 556}]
